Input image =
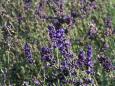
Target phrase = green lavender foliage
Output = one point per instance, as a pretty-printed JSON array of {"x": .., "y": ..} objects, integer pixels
[{"x": 14, "y": 67}]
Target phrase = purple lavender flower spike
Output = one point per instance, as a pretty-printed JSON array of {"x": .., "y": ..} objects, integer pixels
[
  {"x": 52, "y": 32},
  {"x": 89, "y": 52},
  {"x": 60, "y": 33},
  {"x": 88, "y": 60},
  {"x": 46, "y": 54},
  {"x": 58, "y": 38},
  {"x": 81, "y": 59},
  {"x": 106, "y": 63},
  {"x": 28, "y": 53}
]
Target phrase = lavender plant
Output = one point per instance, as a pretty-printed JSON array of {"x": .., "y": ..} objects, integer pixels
[
  {"x": 28, "y": 53},
  {"x": 51, "y": 55}
]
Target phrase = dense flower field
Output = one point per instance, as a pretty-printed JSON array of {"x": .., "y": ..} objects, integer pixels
[{"x": 57, "y": 42}]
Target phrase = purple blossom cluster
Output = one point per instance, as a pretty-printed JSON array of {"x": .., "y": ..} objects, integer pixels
[
  {"x": 81, "y": 59},
  {"x": 56, "y": 36},
  {"x": 59, "y": 41},
  {"x": 88, "y": 60},
  {"x": 46, "y": 54},
  {"x": 108, "y": 25},
  {"x": 86, "y": 7},
  {"x": 106, "y": 63},
  {"x": 89, "y": 56},
  {"x": 85, "y": 62},
  {"x": 28, "y": 53},
  {"x": 55, "y": 5},
  {"x": 92, "y": 33}
]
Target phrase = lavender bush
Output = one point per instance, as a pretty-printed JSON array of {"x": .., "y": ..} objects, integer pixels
[{"x": 57, "y": 43}]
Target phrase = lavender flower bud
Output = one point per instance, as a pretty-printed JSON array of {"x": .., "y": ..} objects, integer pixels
[
  {"x": 106, "y": 63},
  {"x": 89, "y": 52},
  {"x": 81, "y": 59},
  {"x": 93, "y": 31},
  {"x": 58, "y": 38},
  {"x": 46, "y": 54},
  {"x": 28, "y": 53},
  {"x": 88, "y": 60}
]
